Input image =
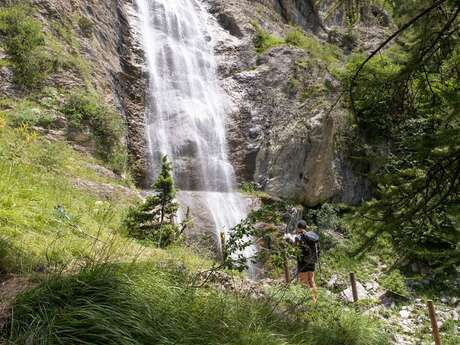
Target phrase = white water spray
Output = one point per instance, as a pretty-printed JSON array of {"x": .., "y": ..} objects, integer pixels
[{"x": 186, "y": 108}]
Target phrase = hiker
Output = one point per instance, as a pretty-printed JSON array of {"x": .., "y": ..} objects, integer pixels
[{"x": 309, "y": 251}]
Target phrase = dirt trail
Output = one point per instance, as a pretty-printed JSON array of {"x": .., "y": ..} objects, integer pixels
[{"x": 10, "y": 287}]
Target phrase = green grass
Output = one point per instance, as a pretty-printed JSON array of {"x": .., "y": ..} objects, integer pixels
[
  {"x": 143, "y": 304},
  {"x": 320, "y": 51},
  {"x": 264, "y": 40},
  {"x": 28, "y": 112},
  {"x": 36, "y": 178}
]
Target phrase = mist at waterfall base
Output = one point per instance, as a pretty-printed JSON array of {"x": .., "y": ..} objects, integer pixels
[{"x": 186, "y": 109}]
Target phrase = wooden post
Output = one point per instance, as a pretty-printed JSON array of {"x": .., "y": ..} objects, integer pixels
[
  {"x": 223, "y": 246},
  {"x": 353, "y": 286},
  {"x": 434, "y": 323},
  {"x": 287, "y": 274}
]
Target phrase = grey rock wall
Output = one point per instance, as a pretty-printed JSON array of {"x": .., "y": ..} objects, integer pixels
[{"x": 281, "y": 131}]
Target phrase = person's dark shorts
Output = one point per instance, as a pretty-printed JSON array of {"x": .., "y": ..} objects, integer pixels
[{"x": 305, "y": 267}]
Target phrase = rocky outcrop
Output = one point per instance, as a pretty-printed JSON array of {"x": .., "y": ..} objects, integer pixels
[
  {"x": 110, "y": 52},
  {"x": 131, "y": 89},
  {"x": 298, "y": 12},
  {"x": 284, "y": 131}
]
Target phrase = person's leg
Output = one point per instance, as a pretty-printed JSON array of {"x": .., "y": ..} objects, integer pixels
[
  {"x": 303, "y": 279},
  {"x": 312, "y": 285}
]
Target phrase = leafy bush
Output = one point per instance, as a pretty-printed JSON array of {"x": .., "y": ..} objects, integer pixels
[
  {"x": 375, "y": 97},
  {"x": 153, "y": 219},
  {"x": 86, "y": 111},
  {"x": 25, "y": 44},
  {"x": 325, "y": 217}
]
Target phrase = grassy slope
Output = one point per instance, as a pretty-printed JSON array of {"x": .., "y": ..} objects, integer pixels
[
  {"x": 46, "y": 225},
  {"x": 149, "y": 302},
  {"x": 36, "y": 178},
  {"x": 147, "y": 305}
]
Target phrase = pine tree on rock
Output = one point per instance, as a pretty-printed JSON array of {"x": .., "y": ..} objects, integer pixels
[{"x": 153, "y": 219}]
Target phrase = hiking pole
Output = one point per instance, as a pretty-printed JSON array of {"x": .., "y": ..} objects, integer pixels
[
  {"x": 287, "y": 274},
  {"x": 319, "y": 263}
]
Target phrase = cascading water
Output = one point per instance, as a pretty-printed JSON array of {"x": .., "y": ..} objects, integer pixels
[{"x": 186, "y": 108}]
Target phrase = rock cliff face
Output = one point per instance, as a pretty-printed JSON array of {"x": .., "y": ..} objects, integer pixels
[
  {"x": 111, "y": 52},
  {"x": 283, "y": 134},
  {"x": 299, "y": 12}
]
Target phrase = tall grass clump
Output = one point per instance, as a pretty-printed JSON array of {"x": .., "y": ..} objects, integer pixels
[
  {"x": 86, "y": 111},
  {"x": 143, "y": 304},
  {"x": 97, "y": 306},
  {"x": 25, "y": 45}
]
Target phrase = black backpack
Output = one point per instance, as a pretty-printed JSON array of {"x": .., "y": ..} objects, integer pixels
[{"x": 309, "y": 247}]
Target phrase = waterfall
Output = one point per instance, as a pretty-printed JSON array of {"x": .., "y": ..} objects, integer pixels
[{"x": 186, "y": 108}]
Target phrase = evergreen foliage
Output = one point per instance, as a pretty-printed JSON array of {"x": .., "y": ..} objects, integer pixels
[
  {"x": 153, "y": 219},
  {"x": 407, "y": 108}
]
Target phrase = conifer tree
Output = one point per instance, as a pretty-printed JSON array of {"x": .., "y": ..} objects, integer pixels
[{"x": 154, "y": 218}]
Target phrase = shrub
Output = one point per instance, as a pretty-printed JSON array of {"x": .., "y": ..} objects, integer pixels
[
  {"x": 86, "y": 111},
  {"x": 86, "y": 26},
  {"x": 377, "y": 106},
  {"x": 153, "y": 219},
  {"x": 395, "y": 282},
  {"x": 25, "y": 44},
  {"x": 325, "y": 217}
]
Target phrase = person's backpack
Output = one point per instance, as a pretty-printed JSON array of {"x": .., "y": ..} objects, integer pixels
[{"x": 310, "y": 247}]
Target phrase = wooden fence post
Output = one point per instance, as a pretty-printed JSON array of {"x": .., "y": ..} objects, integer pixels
[
  {"x": 353, "y": 286},
  {"x": 287, "y": 274},
  {"x": 223, "y": 246},
  {"x": 434, "y": 323}
]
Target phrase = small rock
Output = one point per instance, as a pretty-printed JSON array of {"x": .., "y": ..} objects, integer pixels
[
  {"x": 347, "y": 295},
  {"x": 454, "y": 315},
  {"x": 372, "y": 286},
  {"x": 332, "y": 282},
  {"x": 404, "y": 314}
]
